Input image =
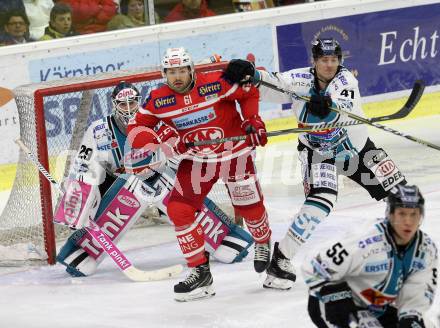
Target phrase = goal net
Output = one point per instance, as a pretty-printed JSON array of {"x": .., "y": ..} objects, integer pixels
[{"x": 53, "y": 117}]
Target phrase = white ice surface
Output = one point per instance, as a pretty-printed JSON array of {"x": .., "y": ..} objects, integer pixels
[{"x": 47, "y": 297}]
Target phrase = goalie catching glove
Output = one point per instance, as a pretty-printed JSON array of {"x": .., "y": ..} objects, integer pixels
[{"x": 255, "y": 129}]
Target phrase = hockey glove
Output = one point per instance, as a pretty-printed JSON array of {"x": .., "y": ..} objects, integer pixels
[
  {"x": 170, "y": 141},
  {"x": 339, "y": 304},
  {"x": 239, "y": 71},
  {"x": 166, "y": 133},
  {"x": 319, "y": 105},
  {"x": 411, "y": 322},
  {"x": 255, "y": 129}
]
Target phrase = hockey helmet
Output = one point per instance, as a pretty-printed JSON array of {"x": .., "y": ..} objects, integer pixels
[
  {"x": 326, "y": 47},
  {"x": 126, "y": 99},
  {"x": 406, "y": 197},
  {"x": 176, "y": 57}
]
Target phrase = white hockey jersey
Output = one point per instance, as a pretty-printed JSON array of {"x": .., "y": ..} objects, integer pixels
[
  {"x": 104, "y": 149},
  {"x": 378, "y": 272},
  {"x": 343, "y": 89}
]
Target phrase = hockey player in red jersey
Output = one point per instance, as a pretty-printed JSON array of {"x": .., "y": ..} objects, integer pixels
[{"x": 193, "y": 108}]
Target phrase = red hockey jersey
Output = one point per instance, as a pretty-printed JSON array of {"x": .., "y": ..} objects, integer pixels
[{"x": 207, "y": 111}]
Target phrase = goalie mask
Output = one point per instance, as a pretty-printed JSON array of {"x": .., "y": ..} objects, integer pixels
[
  {"x": 175, "y": 58},
  {"x": 126, "y": 99}
]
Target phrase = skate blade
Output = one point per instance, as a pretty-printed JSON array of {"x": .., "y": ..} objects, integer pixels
[
  {"x": 197, "y": 294},
  {"x": 277, "y": 283}
]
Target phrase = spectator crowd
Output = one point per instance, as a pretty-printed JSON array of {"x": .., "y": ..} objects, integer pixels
[{"x": 23, "y": 21}]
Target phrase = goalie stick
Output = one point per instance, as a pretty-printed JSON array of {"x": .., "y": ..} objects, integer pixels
[{"x": 104, "y": 241}]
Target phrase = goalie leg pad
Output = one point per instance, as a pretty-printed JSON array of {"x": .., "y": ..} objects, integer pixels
[
  {"x": 121, "y": 206},
  {"x": 235, "y": 246},
  {"x": 118, "y": 211},
  {"x": 80, "y": 264},
  {"x": 77, "y": 261},
  {"x": 78, "y": 204},
  {"x": 70, "y": 246}
]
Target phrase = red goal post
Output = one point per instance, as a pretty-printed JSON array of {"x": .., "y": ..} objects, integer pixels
[{"x": 53, "y": 117}]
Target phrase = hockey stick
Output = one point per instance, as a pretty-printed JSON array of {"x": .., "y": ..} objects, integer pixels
[
  {"x": 410, "y": 104},
  {"x": 104, "y": 241},
  {"x": 418, "y": 84}
]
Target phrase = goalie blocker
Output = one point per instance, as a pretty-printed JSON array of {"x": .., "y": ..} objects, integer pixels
[{"x": 120, "y": 207}]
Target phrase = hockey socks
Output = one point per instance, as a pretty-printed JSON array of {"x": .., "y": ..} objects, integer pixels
[
  {"x": 260, "y": 231},
  {"x": 281, "y": 273},
  {"x": 304, "y": 223},
  {"x": 192, "y": 243}
]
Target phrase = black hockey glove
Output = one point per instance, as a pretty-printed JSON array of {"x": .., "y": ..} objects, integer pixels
[
  {"x": 411, "y": 322},
  {"x": 239, "y": 71},
  {"x": 338, "y": 302},
  {"x": 319, "y": 105}
]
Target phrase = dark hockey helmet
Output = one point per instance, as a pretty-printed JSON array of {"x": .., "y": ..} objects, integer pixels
[
  {"x": 326, "y": 47},
  {"x": 126, "y": 99},
  {"x": 406, "y": 197}
]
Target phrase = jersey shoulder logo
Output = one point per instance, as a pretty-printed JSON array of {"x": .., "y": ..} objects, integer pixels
[
  {"x": 166, "y": 101},
  {"x": 209, "y": 89}
]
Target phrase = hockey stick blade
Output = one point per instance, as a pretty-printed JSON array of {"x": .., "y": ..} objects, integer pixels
[
  {"x": 129, "y": 270},
  {"x": 411, "y": 102},
  {"x": 360, "y": 118},
  {"x": 413, "y": 99},
  {"x": 125, "y": 265}
]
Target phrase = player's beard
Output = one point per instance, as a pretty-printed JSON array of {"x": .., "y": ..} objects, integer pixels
[{"x": 182, "y": 89}]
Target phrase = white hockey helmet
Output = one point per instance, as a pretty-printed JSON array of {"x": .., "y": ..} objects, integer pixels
[{"x": 177, "y": 57}]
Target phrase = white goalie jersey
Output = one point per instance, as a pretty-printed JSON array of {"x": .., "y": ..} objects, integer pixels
[
  {"x": 344, "y": 91},
  {"x": 104, "y": 149},
  {"x": 378, "y": 272}
]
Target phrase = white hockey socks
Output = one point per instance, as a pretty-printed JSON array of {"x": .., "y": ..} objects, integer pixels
[{"x": 305, "y": 222}]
